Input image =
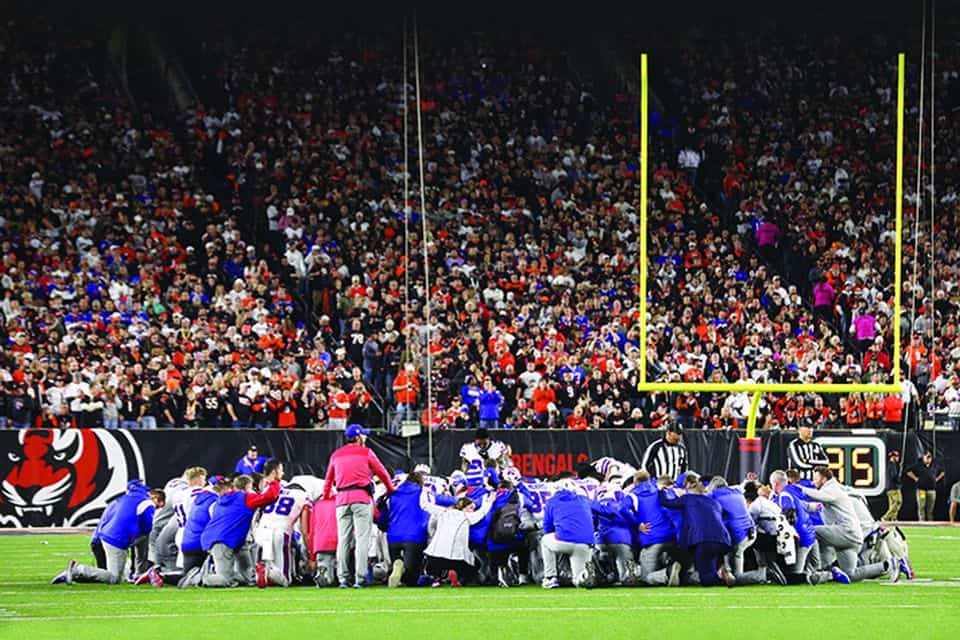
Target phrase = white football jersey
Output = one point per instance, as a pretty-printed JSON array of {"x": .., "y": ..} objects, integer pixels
[
  {"x": 588, "y": 487},
  {"x": 311, "y": 484},
  {"x": 494, "y": 451},
  {"x": 182, "y": 502},
  {"x": 611, "y": 466},
  {"x": 437, "y": 484},
  {"x": 284, "y": 512}
]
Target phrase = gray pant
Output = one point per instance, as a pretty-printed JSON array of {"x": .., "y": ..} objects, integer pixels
[
  {"x": 329, "y": 563},
  {"x": 353, "y": 528},
  {"x": 845, "y": 545},
  {"x": 163, "y": 548},
  {"x": 224, "y": 566},
  {"x": 580, "y": 555},
  {"x": 654, "y": 563},
  {"x": 113, "y": 574},
  {"x": 623, "y": 556},
  {"x": 162, "y": 517},
  {"x": 808, "y": 561},
  {"x": 733, "y": 562}
]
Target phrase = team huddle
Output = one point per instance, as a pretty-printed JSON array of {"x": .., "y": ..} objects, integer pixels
[{"x": 606, "y": 524}]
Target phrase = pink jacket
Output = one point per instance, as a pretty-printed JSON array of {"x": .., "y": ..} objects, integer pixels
[
  {"x": 822, "y": 294},
  {"x": 866, "y": 327},
  {"x": 351, "y": 466},
  {"x": 768, "y": 234},
  {"x": 323, "y": 526}
]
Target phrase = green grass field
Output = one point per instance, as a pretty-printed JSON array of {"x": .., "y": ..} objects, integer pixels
[{"x": 32, "y": 609}]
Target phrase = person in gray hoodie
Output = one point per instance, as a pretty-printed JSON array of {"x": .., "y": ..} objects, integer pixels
[{"x": 841, "y": 534}]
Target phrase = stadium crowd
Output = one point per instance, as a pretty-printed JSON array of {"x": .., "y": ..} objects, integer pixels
[
  {"x": 609, "y": 524},
  {"x": 248, "y": 266}
]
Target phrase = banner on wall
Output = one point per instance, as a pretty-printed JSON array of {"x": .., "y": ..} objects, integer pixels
[{"x": 66, "y": 478}]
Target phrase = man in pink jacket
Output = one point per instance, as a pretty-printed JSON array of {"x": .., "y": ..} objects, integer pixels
[{"x": 349, "y": 470}]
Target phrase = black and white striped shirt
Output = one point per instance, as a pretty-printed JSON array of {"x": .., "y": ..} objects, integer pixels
[
  {"x": 804, "y": 456},
  {"x": 664, "y": 459}
]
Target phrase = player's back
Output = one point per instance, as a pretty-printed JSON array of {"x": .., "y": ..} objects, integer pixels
[{"x": 283, "y": 513}]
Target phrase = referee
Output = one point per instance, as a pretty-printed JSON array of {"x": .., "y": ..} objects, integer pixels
[
  {"x": 667, "y": 456},
  {"x": 803, "y": 454}
]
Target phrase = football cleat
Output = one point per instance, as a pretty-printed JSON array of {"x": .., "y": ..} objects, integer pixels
[
  {"x": 589, "y": 575},
  {"x": 454, "y": 578},
  {"x": 674, "y": 576},
  {"x": 190, "y": 578},
  {"x": 893, "y": 569},
  {"x": 727, "y": 577},
  {"x": 396, "y": 574},
  {"x": 261, "y": 572},
  {"x": 775, "y": 575},
  {"x": 551, "y": 583},
  {"x": 839, "y": 575},
  {"x": 156, "y": 580},
  {"x": 344, "y": 585},
  {"x": 68, "y": 574},
  {"x": 143, "y": 578},
  {"x": 906, "y": 568}
]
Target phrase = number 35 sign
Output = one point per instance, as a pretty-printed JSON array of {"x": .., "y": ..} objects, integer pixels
[{"x": 858, "y": 462}]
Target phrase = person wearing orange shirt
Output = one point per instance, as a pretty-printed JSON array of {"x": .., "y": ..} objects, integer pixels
[
  {"x": 893, "y": 411},
  {"x": 874, "y": 411},
  {"x": 855, "y": 411},
  {"x": 406, "y": 388},
  {"x": 543, "y": 397},
  {"x": 339, "y": 410},
  {"x": 576, "y": 421}
]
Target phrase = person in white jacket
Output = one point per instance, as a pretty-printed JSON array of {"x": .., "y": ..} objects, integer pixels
[
  {"x": 841, "y": 532},
  {"x": 449, "y": 550}
]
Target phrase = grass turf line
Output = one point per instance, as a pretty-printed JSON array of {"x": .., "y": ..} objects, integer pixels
[{"x": 32, "y": 609}]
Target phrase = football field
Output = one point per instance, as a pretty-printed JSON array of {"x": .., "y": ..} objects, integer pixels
[{"x": 32, "y": 609}]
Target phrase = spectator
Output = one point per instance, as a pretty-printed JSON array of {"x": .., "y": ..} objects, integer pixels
[
  {"x": 894, "y": 482},
  {"x": 925, "y": 476},
  {"x": 954, "y": 501},
  {"x": 406, "y": 390},
  {"x": 251, "y": 463},
  {"x": 490, "y": 403},
  {"x": 544, "y": 401}
]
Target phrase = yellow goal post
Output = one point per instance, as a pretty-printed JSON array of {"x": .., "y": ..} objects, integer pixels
[{"x": 758, "y": 389}]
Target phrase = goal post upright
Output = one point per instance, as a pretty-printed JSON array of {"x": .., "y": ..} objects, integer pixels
[{"x": 750, "y": 447}]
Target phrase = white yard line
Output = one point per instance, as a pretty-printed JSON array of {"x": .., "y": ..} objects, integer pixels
[{"x": 419, "y": 611}]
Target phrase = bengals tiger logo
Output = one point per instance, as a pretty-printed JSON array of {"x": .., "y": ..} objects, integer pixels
[{"x": 65, "y": 478}]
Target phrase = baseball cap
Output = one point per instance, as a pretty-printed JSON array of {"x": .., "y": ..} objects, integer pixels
[{"x": 355, "y": 430}]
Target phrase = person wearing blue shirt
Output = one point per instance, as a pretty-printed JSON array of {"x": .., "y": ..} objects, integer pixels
[
  {"x": 703, "y": 532},
  {"x": 806, "y": 567},
  {"x": 490, "y": 403},
  {"x": 250, "y": 463},
  {"x": 499, "y": 551},
  {"x": 131, "y": 519},
  {"x": 470, "y": 394},
  {"x": 795, "y": 488},
  {"x": 743, "y": 533},
  {"x": 658, "y": 537},
  {"x": 230, "y": 521},
  {"x": 407, "y": 531},
  {"x": 197, "y": 520},
  {"x": 615, "y": 526},
  {"x": 568, "y": 530},
  {"x": 798, "y": 512}
]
